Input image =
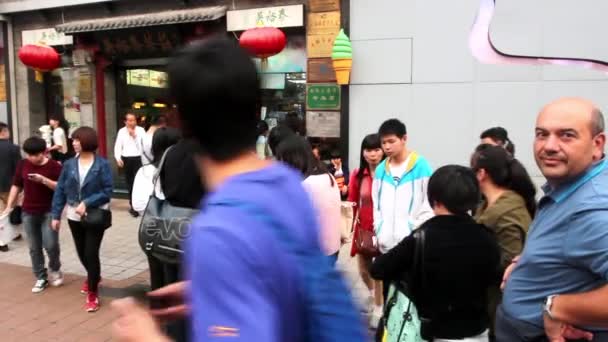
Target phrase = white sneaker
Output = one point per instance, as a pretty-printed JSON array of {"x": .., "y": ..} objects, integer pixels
[
  {"x": 56, "y": 278},
  {"x": 40, "y": 285}
]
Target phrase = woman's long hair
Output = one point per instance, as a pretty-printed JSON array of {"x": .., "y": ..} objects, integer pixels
[
  {"x": 63, "y": 123},
  {"x": 296, "y": 152},
  {"x": 163, "y": 138},
  {"x": 370, "y": 142},
  {"x": 505, "y": 171}
]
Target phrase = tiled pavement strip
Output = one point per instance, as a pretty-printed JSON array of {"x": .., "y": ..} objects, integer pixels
[{"x": 57, "y": 314}]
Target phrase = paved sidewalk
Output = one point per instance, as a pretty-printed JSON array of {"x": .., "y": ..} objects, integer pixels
[
  {"x": 57, "y": 314},
  {"x": 121, "y": 256}
]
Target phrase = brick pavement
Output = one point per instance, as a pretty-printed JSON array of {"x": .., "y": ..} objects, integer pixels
[{"x": 57, "y": 314}]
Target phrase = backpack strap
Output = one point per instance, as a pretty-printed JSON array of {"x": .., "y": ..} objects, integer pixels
[{"x": 156, "y": 177}]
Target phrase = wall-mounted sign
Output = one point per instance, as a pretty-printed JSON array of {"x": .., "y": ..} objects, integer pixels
[
  {"x": 85, "y": 87},
  {"x": 283, "y": 16},
  {"x": 147, "y": 42},
  {"x": 323, "y": 23},
  {"x": 323, "y": 5},
  {"x": 322, "y": 96},
  {"x": 323, "y": 124},
  {"x": 320, "y": 45},
  {"x": 147, "y": 78},
  {"x": 47, "y": 36},
  {"x": 320, "y": 70}
]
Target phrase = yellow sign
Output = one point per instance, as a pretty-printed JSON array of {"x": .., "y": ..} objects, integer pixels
[
  {"x": 324, "y": 23},
  {"x": 320, "y": 45}
]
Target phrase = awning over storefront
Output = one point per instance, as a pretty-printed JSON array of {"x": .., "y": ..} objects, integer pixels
[{"x": 140, "y": 20}]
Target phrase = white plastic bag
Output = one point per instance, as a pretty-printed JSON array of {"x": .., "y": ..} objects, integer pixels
[{"x": 7, "y": 231}]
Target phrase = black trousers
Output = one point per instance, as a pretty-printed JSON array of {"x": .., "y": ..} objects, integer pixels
[
  {"x": 88, "y": 243},
  {"x": 132, "y": 165},
  {"x": 162, "y": 274}
]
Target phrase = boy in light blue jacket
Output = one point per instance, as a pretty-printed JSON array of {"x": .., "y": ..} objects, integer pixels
[{"x": 399, "y": 190}]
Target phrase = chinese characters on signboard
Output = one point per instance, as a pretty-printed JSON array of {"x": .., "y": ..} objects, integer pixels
[
  {"x": 149, "y": 43},
  {"x": 47, "y": 36},
  {"x": 320, "y": 45},
  {"x": 323, "y": 124},
  {"x": 323, "y": 96},
  {"x": 323, "y": 23},
  {"x": 283, "y": 16},
  {"x": 323, "y": 5},
  {"x": 147, "y": 78}
]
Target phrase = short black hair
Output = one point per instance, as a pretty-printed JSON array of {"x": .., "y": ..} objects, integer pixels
[
  {"x": 3, "y": 126},
  {"x": 500, "y": 136},
  {"x": 392, "y": 127},
  {"x": 162, "y": 139},
  {"x": 215, "y": 85},
  {"x": 262, "y": 127},
  {"x": 130, "y": 113},
  {"x": 87, "y": 137},
  {"x": 277, "y": 135},
  {"x": 455, "y": 187},
  {"x": 34, "y": 145},
  {"x": 160, "y": 120}
]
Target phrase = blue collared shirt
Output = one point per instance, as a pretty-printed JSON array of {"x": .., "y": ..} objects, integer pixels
[{"x": 567, "y": 246}]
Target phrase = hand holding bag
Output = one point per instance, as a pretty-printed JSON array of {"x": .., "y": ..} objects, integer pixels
[{"x": 97, "y": 218}]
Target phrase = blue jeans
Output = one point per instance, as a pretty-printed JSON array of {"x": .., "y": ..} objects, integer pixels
[{"x": 40, "y": 235}]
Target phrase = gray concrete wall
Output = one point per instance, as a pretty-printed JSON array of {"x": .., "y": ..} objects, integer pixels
[{"x": 412, "y": 61}]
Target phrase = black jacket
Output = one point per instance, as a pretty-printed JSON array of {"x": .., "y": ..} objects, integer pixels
[
  {"x": 180, "y": 178},
  {"x": 9, "y": 157},
  {"x": 461, "y": 261}
]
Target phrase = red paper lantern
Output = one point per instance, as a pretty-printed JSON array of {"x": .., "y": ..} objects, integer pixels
[
  {"x": 263, "y": 42},
  {"x": 39, "y": 57}
]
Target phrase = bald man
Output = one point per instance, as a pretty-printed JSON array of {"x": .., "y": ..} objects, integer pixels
[{"x": 560, "y": 280}]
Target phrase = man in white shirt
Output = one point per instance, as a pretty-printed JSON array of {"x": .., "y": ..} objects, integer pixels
[{"x": 128, "y": 152}]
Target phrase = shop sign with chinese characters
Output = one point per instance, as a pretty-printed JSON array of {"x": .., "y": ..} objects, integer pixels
[
  {"x": 323, "y": 5},
  {"x": 323, "y": 124},
  {"x": 47, "y": 36},
  {"x": 283, "y": 16},
  {"x": 323, "y": 96},
  {"x": 149, "y": 43},
  {"x": 323, "y": 23},
  {"x": 320, "y": 45}
]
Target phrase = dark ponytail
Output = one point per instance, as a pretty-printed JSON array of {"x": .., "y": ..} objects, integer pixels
[
  {"x": 500, "y": 136},
  {"x": 506, "y": 171}
]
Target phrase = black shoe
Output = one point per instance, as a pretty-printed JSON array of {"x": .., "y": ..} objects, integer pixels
[
  {"x": 4, "y": 248},
  {"x": 133, "y": 213},
  {"x": 18, "y": 237}
]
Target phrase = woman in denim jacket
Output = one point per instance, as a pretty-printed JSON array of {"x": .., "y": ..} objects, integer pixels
[{"x": 85, "y": 182}]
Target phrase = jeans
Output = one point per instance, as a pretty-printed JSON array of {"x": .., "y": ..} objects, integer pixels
[
  {"x": 40, "y": 235},
  {"x": 88, "y": 243},
  {"x": 510, "y": 329}
]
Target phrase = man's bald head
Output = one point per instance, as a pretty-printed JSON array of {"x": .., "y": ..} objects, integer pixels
[{"x": 569, "y": 138}]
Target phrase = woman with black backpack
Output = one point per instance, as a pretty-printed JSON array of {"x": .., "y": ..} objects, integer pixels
[{"x": 448, "y": 264}]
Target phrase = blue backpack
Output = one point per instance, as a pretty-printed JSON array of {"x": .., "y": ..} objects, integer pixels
[{"x": 330, "y": 312}]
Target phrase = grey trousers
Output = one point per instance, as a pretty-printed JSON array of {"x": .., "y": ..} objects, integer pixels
[{"x": 40, "y": 235}]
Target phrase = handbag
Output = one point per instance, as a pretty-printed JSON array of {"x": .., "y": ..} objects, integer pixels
[
  {"x": 365, "y": 240},
  {"x": 97, "y": 218},
  {"x": 15, "y": 217},
  {"x": 402, "y": 320},
  {"x": 164, "y": 227}
]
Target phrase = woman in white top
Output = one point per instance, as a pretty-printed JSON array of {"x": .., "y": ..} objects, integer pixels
[
  {"x": 59, "y": 149},
  {"x": 143, "y": 185},
  {"x": 296, "y": 152},
  {"x": 147, "y": 156},
  {"x": 261, "y": 145}
]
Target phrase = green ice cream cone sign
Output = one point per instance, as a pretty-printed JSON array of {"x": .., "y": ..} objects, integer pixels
[{"x": 342, "y": 57}]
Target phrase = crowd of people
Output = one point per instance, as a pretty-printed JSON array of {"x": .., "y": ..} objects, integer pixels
[{"x": 460, "y": 253}]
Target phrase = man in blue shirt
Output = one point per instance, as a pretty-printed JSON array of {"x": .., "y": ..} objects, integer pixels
[
  {"x": 559, "y": 282},
  {"x": 246, "y": 282}
]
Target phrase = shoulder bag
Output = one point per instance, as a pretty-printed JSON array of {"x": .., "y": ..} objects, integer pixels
[{"x": 164, "y": 227}]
